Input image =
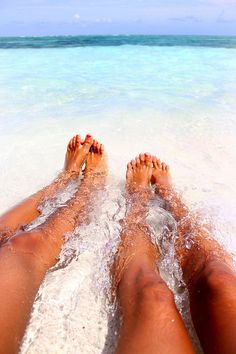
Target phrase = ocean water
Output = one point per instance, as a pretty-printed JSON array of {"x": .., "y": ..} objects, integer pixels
[{"x": 172, "y": 96}]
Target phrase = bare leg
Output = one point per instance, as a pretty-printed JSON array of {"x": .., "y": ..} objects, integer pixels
[
  {"x": 151, "y": 321},
  {"x": 207, "y": 269},
  {"x": 25, "y": 212},
  {"x": 26, "y": 257}
]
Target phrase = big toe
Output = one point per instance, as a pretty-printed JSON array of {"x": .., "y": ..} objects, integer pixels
[
  {"x": 142, "y": 158},
  {"x": 88, "y": 141},
  {"x": 163, "y": 166},
  {"x": 148, "y": 159},
  {"x": 156, "y": 162}
]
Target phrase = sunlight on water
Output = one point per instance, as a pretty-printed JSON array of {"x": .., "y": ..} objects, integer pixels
[{"x": 178, "y": 103}]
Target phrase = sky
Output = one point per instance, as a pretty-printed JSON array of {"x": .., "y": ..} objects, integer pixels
[{"x": 75, "y": 17}]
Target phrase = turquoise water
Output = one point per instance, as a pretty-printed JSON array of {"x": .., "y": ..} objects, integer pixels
[
  {"x": 172, "y": 96},
  {"x": 88, "y": 41}
]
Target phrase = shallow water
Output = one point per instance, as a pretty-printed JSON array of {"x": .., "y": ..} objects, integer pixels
[{"x": 176, "y": 102}]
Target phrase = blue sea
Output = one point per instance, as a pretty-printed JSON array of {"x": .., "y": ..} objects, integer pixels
[{"x": 173, "y": 96}]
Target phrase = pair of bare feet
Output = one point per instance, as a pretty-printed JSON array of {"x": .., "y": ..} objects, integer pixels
[
  {"x": 146, "y": 170},
  {"x": 142, "y": 172},
  {"x": 88, "y": 152}
]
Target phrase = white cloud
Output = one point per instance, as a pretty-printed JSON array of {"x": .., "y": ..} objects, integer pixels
[{"x": 77, "y": 17}]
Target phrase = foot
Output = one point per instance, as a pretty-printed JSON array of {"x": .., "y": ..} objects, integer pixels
[
  {"x": 77, "y": 151},
  {"x": 96, "y": 163},
  {"x": 161, "y": 177},
  {"x": 139, "y": 173}
]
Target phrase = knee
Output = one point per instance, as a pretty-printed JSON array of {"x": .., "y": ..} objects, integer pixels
[
  {"x": 216, "y": 278},
  {"x": 28, "y": 246},
  {"x": 151, "y": 289},
  {"x": 26, "y": 241}
]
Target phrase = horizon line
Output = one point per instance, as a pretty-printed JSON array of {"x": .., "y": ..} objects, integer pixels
[{"x": 117, "y": 35}]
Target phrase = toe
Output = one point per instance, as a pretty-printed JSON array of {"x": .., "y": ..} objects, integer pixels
[
  {"x": 94, "y": 146},
  {"x": 155, "y": 165},
  {"x": 129, "y": 166},
  {"x": 98, "y": 147},
  {"x": 69, "y": 147},
  {"x": 148, "y": 159},
  {"x": 133, "y": 163},
  {"x": 147, "y": 154},
  {"x": 129, "y": 171},
  {"x": 142, "y": 158},
  {"x": 101, "y": 150},
  {"x": 88, "y": 140},
  {"x": 156, "y": 162},
  {"x": 78, "y": 140},
  {"x": 138, "y": 162},
  {"x": 153, "y": 159},
  {"x": 73, "y": 142}
]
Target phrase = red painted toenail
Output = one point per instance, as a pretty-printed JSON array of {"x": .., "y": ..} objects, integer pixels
[{"x": 88, "y": 136}]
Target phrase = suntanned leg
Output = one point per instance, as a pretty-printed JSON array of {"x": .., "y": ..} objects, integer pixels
[
  {"x": 25, "y": 212},
  {"x": 207, "y": 269},
  {"x": 151, "y": 321},
  {"x": 26, "y": 257}
]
